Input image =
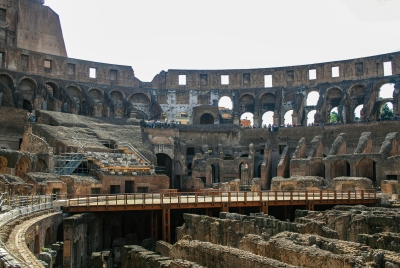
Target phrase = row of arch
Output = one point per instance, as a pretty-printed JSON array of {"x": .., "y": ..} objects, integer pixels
[
  {"x": 30, "y": 94},
  {"x": 355, "y": 103}
]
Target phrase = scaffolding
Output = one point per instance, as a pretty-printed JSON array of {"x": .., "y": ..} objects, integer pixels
[{"x": 71, "y": 163}]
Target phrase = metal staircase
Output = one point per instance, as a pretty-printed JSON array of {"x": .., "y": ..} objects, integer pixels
[
  {"x": 66, "y": 164},
  {"x": 139, "y": 155}
]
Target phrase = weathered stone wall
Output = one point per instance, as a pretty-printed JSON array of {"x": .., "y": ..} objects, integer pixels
[{"x": 211, "y": 255}]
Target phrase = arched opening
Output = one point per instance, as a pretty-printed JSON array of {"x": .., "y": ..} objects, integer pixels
[
  {"x": 333, "y": 98},
  {"x": 48, "y": 239},
  {"x": 215, "y": 173},
  {"x": 366, "y": 168},
  {"x": 27, "y": 105},
  {"x": 334, "y": 115},
  {"x": 386, "y": 111},
  {"x": 317, "y": 169},
  {"x": 3, "y": 164},
  {"x": 246, "y": 120},
  {"x": 41, "y": 166},
  {"x": 257, "y": 170},
  {"x": 22, "y": 167},
  {"x": 28, "y": 88},
  {"x": 207, "y": 119},
  {"x": 60, "y": 232},
  {"x": 117, "y": 104},
  {"x": 244, "y": 174},
  {"x": 311, "y": 117},
  {"x": 312, "y": 98},
  {"x": 341, "y": 168},
  {"x": 268, "y": 119},
  {"x": 140, "y": 102},
  {"x": 36, "y": 249},
  {"x": 225, "y": 103},
  {"x": 54, "y": 90},
  {"x": 267, "y": 103},
  {"x": 287, "y": 119},
  {"x": 358, "y": 113},
  {"x": 386, "y": 91},
  {"x": 164, "y": 166},
  {"x": 246, "y": 104}
]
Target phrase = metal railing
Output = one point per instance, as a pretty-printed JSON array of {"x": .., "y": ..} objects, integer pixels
[
  {"x": 133, "y": 149},
  {"x": 173, "y": 197}
]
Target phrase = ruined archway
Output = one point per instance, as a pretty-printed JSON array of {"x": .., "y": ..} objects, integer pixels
[
  {"x": 267, "y": 103},
  {"x": 28, "y": 89},
  {"x": 41, "y": 166},
  {"x": 27, "y": 105},
  {"x": 340, "y": 168},
  {"x": 36, "y": 249},
  {"x": 48, "y": 239},
  {"x": 358, "y": 113},
  {"x": 23, "y": 166},
  {"x": 76, "y": 94},
  {"x": 206, "y": 119},
  {"x": 312, "y": 98},
  {"x": 164, "y": 166},
  {"x": 333, "y": 98},
  {"x": 246, "y": 104},
  {"x": 268, "y": 119},
  {"x": 287, "y": 118},
  {"x": 386, "y": 91},
  {"x": 140, "y": 103},
  {"x": 311, "y": 117},
  {"x": 225, "y": 103},
  {"x": 356, "y": 97},
  {"x": 385, "y": 111}
]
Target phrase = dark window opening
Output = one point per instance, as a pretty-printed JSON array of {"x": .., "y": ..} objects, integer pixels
[
  {"x": 71, "y": 69},
  {"x": 115, "y": 189},
  {"x": 3, "y": 13}
]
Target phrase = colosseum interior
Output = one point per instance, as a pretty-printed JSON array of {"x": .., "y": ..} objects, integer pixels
[{"x": 100, "y": 169}]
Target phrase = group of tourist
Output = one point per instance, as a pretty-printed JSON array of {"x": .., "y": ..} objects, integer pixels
[{"x": 31, "y": 117}]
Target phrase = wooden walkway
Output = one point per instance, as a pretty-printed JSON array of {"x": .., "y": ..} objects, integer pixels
[{"x": 168, "y": 201}]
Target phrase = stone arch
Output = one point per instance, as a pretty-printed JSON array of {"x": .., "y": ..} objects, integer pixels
[
  {"x": 317, "y": 169},
  {"x": 36, "y": 249},
  {"x": 287, "y": 118},
  {"x": 206, "y": 119},
  {"x": 355, "y": 98},
  {"x": 97, "y": 95},
  {"x": 48, "y": 240},
  {"x": 386, "y": 91},
  {"x": 333, "y": 110},
  {"x": 140, "y": 102},
  {"x": 246, "y": 119},
  {"x": 225, "y": 102},
  {"x": 333, "y": 97},
  {"x": 379, "y": 112},
  {"x": 367, "y": 168},
  {"x": 359, "y": 113},
  {"x": 117, "y": 99},
  {"x": 340, "y": 168},
  {"x": 27, "y": 105},
  {"x": 41, "y": 166},
  {"x": 3, "y": 164},
  {"x": 268, "y": 118},
  {"x": 311, "y": 117},
  {"x": 54, "y": 90},
  {"x": 267, "y": 103},
  {"x": 312, "y": 98},
  {"x": 23, "y": 166},
  {"x": 246, "y": 104},
  {"x": 28, "y": 88}
]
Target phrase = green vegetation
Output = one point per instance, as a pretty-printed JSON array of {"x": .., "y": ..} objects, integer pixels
[
  {"x": 334, "y": 117},
  {"x": 386, "y": 113}
]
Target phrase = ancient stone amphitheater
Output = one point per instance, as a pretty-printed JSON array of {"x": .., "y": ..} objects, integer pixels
[{"x": 100, "y": 169}]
